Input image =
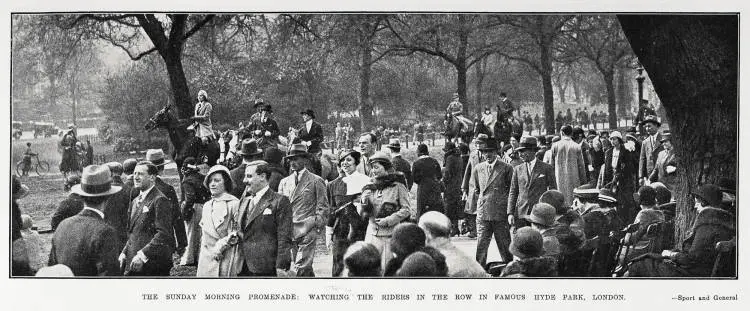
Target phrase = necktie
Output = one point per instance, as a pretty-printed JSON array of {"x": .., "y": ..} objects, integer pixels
[
  {"x": 296, "y": 178},
  {"x": 528, "y": 170},
  {"x": 250, "y": 207}
]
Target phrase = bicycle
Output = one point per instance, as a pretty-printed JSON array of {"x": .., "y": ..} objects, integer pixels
[{"x": 40, "y": 165}]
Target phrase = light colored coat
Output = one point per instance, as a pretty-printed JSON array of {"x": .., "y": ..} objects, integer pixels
[
  {"x": 649, "y": 152},
  {"x": 308, "y": 200},
  {"x": 570, "y": 168},
  {"x": 220, "y": 218},
  {"x": 493, "y": 190},
  {"x": 204, "y": 127},
  {"x": 459, "y": 264}
]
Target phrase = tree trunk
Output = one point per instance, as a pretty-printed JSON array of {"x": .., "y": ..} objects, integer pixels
[
  {"x": 179, "y": 85},
  {"x": 609, "y": 80},
  {"x": 697, "y": 84},
  {"x": 479, "y": 70},
  {"x": 624, "y": 97},
  {"x": 546, "y": 73},
  {"x": 365, "y": 104},
  {"x": 461, "y": 83}
]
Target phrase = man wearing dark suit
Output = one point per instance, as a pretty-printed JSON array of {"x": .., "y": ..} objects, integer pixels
[
  {"x": 311, "y": 133},
  {"x": 650, "y": 147},
  {"x": 307, "y": 195},
  {"x": 266, "y": 220},
  {"x": 116, "y": 209},
  {"x": 530, "y": 179},
  {"x": 399, "y": 164},
  {"x": 249, "y": 152},
  {"x": 492, "y": 180},
  {"x": 265, "y": 129},
  {"x": 156, "y": 156},
  {"x": 151, "y": 242},
  {"x": 85, "y": 243}
]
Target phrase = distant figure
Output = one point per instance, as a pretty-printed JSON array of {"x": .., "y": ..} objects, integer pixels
[{"x": 89, "y": 153}]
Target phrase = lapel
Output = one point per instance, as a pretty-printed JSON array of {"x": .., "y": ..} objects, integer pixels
[
  {"x": 535, "y": 172},
  {"x": 300, "y": 184},
  {"x": 139, "y": 209},
  {"x": 491, "y": 176},
  {"x": 249, "y": 216}
]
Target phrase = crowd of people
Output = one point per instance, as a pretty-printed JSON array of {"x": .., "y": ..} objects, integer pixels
[{"x": 583, "y": 203}]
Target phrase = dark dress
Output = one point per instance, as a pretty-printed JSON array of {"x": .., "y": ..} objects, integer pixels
[
  {"x": 452, "y": 177},
  {"x": 427, "y": 175}
]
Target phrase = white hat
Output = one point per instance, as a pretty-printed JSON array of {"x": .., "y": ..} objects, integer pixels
[{"x": 355, "y": 182}]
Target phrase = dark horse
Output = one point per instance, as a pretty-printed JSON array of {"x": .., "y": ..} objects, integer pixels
[
  {"x": 185, "y": 145},
  {"x": 458, "y": 129},
  {"x": 502, "y": 130}
]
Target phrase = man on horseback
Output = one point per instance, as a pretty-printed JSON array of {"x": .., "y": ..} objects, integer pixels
[
  {"x": 506, "y": 107},
  {"x": 311, "y": 133},
  {"x": 265, "y": 129},
  {"x": 455, "y": 107},
  {"x": 69, "y": 161},
  {"x": 454, "y": 113}
]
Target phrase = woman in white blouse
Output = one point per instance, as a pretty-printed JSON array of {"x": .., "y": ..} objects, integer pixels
[{"x": 220, "y": 255}]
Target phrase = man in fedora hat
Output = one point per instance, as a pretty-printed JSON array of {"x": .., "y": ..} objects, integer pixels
[
  {"x": 151, "y": 242},
  {"x": 311, "y": 133},
  {"x": 157, "y": 157},
  {"x": 265, "y": 129},
  {"x": 530, "y": 180},
  {"x": 665, "y": 168},
  {"x": 492, "y": 180},
  {"x": 399, "y": 163},
  {"x": 116, "y": 209},
  {"x": 650, "y": 147},
  {"x": 85, "y": 242},
  {"x": 307, "y": 194},
  {"x": 249, "y": 152}
]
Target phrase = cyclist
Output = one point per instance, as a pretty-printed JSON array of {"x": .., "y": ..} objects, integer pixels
[{"x": 27, "y": 159}]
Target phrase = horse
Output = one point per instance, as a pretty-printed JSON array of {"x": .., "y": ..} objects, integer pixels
[
  {"x": 184, "y": 145},
  {"x": 506, "y": 127},
  {"x": 458, "y": 129}
]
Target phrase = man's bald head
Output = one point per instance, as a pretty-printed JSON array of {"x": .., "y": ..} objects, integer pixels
[{"x": 435, "y": 225}]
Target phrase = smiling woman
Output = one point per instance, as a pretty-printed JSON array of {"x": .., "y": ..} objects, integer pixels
[{"x": 219, "y": 253}]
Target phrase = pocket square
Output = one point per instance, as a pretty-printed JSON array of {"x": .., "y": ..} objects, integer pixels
[
  {"x": 540, "y": 176},
  {"x": 267, "y": 211},
  {"x": 145, "y": 209}
]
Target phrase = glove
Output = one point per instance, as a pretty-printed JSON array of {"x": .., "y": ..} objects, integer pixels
[
  {"x": 670, "y": 169},
  {"x": 268, "y": 134},
  {"x": 257, "y": 132}
]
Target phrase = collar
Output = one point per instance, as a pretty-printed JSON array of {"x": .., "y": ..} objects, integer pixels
[
  {"x": 563, "y": 137},
  {"x": 395, "y": 155},
  {"x": 145, "y": 193},
  {"x": 424, "y": 156},
  {"x": 302, "y": 171},
  {"x": 98, "y": 212},
  {"x": 532, "y": 163},
  {"x": 309, "y": 122},
  {"x": 259, "y": 194}
]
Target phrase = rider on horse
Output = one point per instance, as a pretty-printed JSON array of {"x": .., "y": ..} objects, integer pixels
[
  {"x": 202, "y": 118},
  {"x": 265, "y": 129}
]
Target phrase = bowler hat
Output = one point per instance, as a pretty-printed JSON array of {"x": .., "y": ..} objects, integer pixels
[
  {"x": 394, "y": 143},
  {"x": 379, "y": 157},
  {"x": 96, "y": 181},
  {"x": 652, "y": 119},
  {"x": 297, "y": 150},
  {"x": 645, "y": 196},
  {"x": 249, "y": 147},
  {"x": 489, "y": 146},
  {"x": 528, "y": 142},
  {"x": 156, "y": 156},
  {"x": 526, "y": 243},
  {"x": 449, "y": 146},
  {"x": 542, "y": 214},
  {"x": 308, "y": 112},
  {"x": 710, "y": 193}
]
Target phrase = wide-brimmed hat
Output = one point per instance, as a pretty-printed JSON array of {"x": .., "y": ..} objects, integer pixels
[
  {"x": 652, "y": 119},
  {"x": 528, "y": 142},
  {"x": 249, "y": 147},
  {"x": 308, "y": 112},
  {"x": 616, "y": 134},
  {"x": 449, "y": 146},
  {"x": 527, "y": 243},
  {"x": 217, "y": 168},
  {"x": 96, "y": 181},
  {"x": 542, "y": 214},
  {"x": 491, "y": 144},
  {"x": 586, "y": 192},
  {"x": 710, "y": 193},
  {"x": 394, "y": 143},
  {"x": 258, "y": 102},
  {"x": 297, "y": 150},
  {"x": 606, "y": 195},
  {"x": 156, "y": 157},
  {"x": 347, "y": 152}
]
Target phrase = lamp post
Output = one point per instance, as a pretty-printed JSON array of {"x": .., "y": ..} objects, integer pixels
[{"x": 640, "y": 79}]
